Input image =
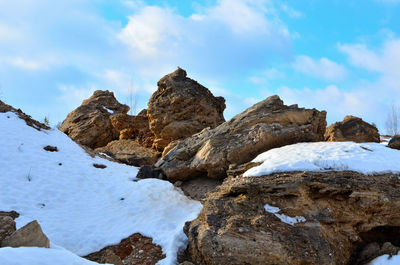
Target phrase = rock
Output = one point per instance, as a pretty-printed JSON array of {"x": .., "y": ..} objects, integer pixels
[
  {"x": 7, "y": 227},
  {"x": 90, "y": 123},
  {"x": 12, "y": 214},
  {"x": 198, "y": 188},
  {"x": 182, "y": 107},
  {"x": 135, "y": 249},
  {"x": 344, "y": 213},
  {"x": 352, "y": 129},
  {"x": 266, "y": 125},
  {"x": 146, "y": 172},
  {"x": 134, "y": 128},
  {"x": 130, "y": 152},
  {"x": 31, "y": 235},
  {"x": 395, "y": 142}
]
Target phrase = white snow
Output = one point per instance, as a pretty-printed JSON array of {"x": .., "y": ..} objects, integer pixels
[
  {"x": 40, "y": 256},
  {"x": 82, "y": 208},
  {"x": 108, "y": 110},
  {"x": 386, "y": 260},
  {"x": 366, "y": 158},
  {"x": 284, "y": 218}
]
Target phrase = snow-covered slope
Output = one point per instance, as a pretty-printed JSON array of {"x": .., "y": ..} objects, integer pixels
[
  {"x": 366, "y": 158},
  {"x": 80, "y": 207}
]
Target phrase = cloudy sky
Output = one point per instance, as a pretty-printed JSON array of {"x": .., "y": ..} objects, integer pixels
[{"x": 334, "y": 55}]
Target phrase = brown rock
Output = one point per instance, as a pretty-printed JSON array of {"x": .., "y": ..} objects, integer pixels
[
  {"x": 395, "y": 142},
  {"x": 31, "y": 235},
  {"x": 266, "y": 125},
  {"x": 345, "y": 212},
  {"x": 90, "y": 123},
  {"x": 352, "y": 129},
  {"x": 135, "y": 249},
  {"x": 182, "y": 107},
  {"x": 7, "y": 227},
  {"x": 130, "y": 152}
]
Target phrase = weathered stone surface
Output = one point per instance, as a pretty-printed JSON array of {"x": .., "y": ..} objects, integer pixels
[
  {"x": 198, "y": 188},
  {"x": 130, "y": 152},
  {"x": 7, "y": 227},
  {"x": 395, "y": 142},
  {"x": 352, "y": 129},
  {"x": 266, "y": 125},
  {"x": 345, "y": 213},
  {"x": 90, "y": 123},
  {"x": 135, "y": 249},
  {"x": 182, "y": 107},
  {"x": 30, "y": 235}
]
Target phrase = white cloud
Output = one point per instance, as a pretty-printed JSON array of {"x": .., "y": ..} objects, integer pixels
[
  {"x": 291, "y": 12},
  {"x": 25, "y": 64},
  {"x": 322, "y": 68},
  {"x": 265, "y": 76}
]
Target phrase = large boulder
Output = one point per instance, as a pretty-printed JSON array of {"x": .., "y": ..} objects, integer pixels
[
  {"x": 298, "y": 218},
  {"x": 90, "y": 123},
  {"x": 182, "y": 107},
  {"x": 352, "y": 129},
  {"x": 30, "y": 235},
  {"x": 395, "y": 142},
  {"x": 266, "y": 125}
]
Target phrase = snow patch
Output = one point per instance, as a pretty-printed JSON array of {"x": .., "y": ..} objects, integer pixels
[
  {"x": 366, "y": 158},
  {"x": 284, "y": 218},
  {"x": 108, "y": 110},
  {"x": 386, "y": 260}
]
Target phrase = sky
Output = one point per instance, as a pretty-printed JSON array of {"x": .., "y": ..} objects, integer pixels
[{"x": 334, "y": 55}]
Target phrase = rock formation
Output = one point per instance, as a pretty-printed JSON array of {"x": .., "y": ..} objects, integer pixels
[
  {"x": 352, "y": 129},
  {"x": 342, "y": 218},
  {"x": 395, "y": 142},
  {"x": 90, "y": 123},
  {"x": 30, "y": 235},
  {"x": 266, "y": 125},
  {"x": 182, "y": 107}
]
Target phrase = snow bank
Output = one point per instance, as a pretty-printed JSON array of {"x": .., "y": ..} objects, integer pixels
[
  {"x": 284, "y": 218},
  {"x": 82, "y": 208},
  {"x": 366, "y": 158},
  {"x": 386, "y": 260}
]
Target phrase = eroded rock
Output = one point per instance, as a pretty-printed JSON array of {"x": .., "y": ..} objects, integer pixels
[
  {"x": 352, "y": 129},
  {"x": 30, "y": 235},
  {"x": 395, "y": 142},
  {"x": 182, "y": 107},
  {"x": 266, "y": 125}
]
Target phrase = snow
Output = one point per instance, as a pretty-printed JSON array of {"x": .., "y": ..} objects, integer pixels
[
  {"x": 386, "y": 260},
  {"x": 366, "y": 158},
  {"x": 108, "y": 110},
  {"x": 40, "y": 256},
  {"x": 82, "y": 208},
  {"x": 284, "y": 218}
]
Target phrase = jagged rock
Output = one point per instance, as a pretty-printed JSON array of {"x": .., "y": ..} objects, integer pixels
[
  {"x": 130, "y": 152},
  {"x": 182, "y": 107},
  {"x": 134, "y": 128},
  {"x": 352, "y": 129},
  {"x": 344, "y": 213},
  {"x": 135, "y": 249},
  {"x": 90, "y": 123},
  {"x": 30, "y": 235},
  {"x": 7, "y": 227},
  {"x": 266, "y": 125},
  {"x": 395, "y": 142}
]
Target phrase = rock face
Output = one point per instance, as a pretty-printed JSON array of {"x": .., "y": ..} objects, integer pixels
[
  {"x": 90, "y": 123},
  {"x": 130, "y": 152},
  {"x": 7, "y": 227},
  {"x": 31, "y": 235},
  {"x": 266, "y": 125},
  {"x": 135, "y": 249},
  {"x": 349, "y": 218},
  {"x": 352, "y": 129},
  {"x": 395, "y": 142},
  {"x": 182, "y": 107}
]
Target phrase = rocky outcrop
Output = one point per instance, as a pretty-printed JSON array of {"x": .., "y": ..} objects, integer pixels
[
  {"x": 7, "y": 227},
  {"x": 266, "y": 125},
  {"x": 130, "y": 152},
  {"x": 352, "y": 129},
  {"x": 395, "y": 142},
  {"x": 90, "y": 123},
  {"x": 30, "y": 235},
  {"x": 320, "y": 218},
  {"x": 135, "y": 249},
  {"x": 182, "y": 107}
]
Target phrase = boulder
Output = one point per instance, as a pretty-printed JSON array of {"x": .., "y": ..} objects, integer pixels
[
  {"x": 30, "y": 235},
  {"x": 7, "y": 227},
  {"x": 182, "y": 107},
  {"x": 352, "y": 129},
  {"x": 130, "y": 152},
  {"x": 395, "y": 142},
  {"x": 136, "y": 249},
  {"x": 266, "y": 125},
  {"x": 90, "y": 123},
  {"x": 297, "y": 218}
]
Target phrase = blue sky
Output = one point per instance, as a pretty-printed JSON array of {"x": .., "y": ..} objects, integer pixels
[{"x": 334, "y": 55}]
